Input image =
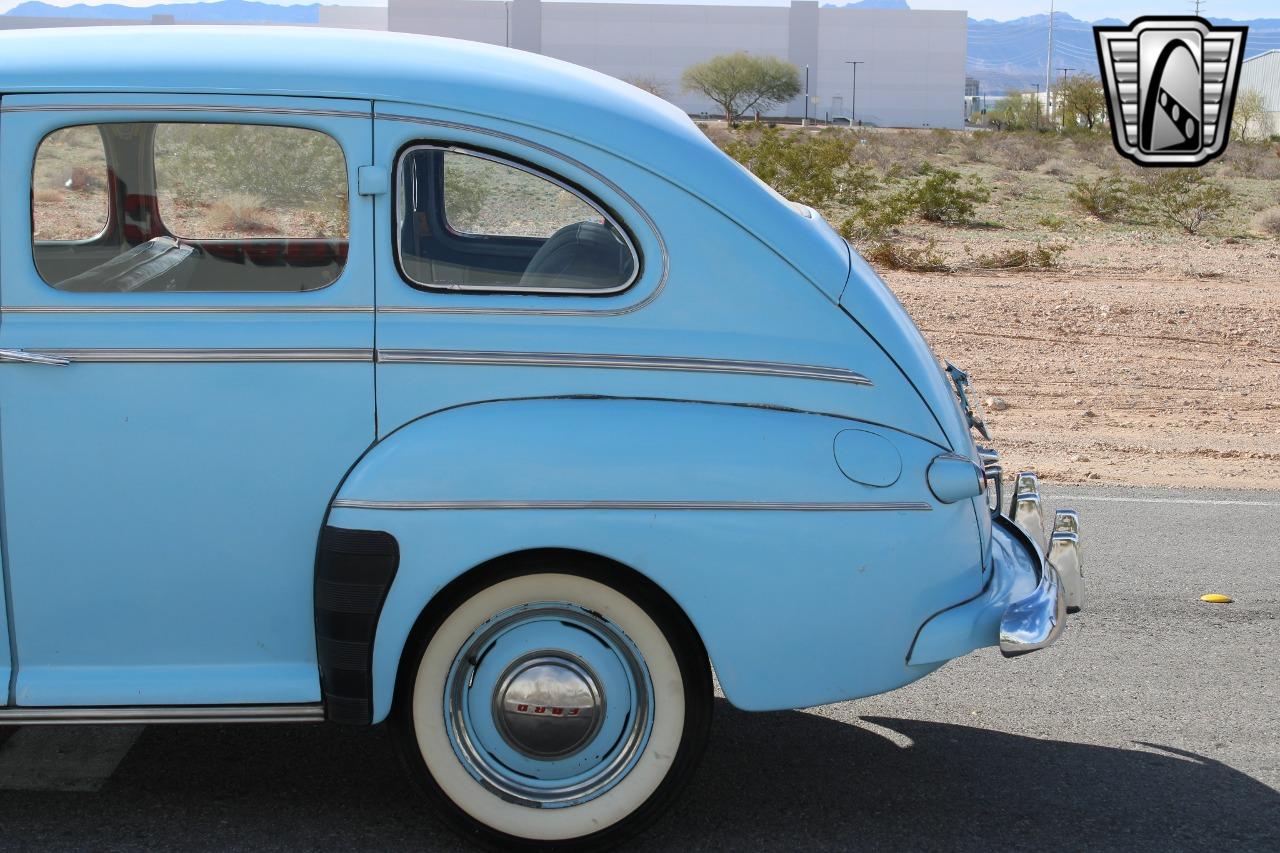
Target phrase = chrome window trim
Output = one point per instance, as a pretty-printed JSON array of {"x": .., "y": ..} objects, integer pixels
[
  {"x": 651, "y": 506},
  {"x": 188, "y": 309},
  {"x": 135, "y": 715},
  {"x": 185, "y": 108},
  {"x": 622, "y": 362},
  {"x": 549, "y": 152},
  {"x": 189, "y": 355},
  {"x": 453, "y": 287}
]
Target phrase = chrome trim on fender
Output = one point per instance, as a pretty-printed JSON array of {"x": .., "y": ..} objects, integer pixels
[
  {"x": 187, "y": 309},
  {"x": 550, "y": 152},
  {"x": 165, "y": 356},
  {"x": 625, "y": 362},
  {"x": 653, "y": 506},
  {"x": 133, "y": 715}
]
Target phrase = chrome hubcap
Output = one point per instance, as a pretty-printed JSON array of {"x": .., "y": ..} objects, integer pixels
[{"x": 548, "y": 704}]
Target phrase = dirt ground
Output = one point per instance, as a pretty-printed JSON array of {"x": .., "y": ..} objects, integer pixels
[{"x": 1134, "y": 363}]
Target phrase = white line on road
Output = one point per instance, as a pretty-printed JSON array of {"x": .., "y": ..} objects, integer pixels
[
  {"x": 1202, "y": 501},
  {"x": 64, "y": 758}
]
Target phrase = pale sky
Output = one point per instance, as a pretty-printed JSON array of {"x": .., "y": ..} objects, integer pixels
[{"x": 1001, "y": 10}]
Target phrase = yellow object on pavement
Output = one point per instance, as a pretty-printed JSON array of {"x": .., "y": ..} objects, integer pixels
[{"x": 1216, "y": 598}]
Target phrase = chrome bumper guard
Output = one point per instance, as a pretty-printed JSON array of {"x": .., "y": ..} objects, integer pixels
[{"x": 1035, "y": 621}]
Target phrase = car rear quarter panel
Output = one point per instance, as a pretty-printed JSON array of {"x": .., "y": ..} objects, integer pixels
[{"x": 796, "y": 606}]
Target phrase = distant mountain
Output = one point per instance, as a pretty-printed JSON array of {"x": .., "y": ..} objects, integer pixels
[
  {"x": 225, "y": 11},
  {"x": 1005, "y": 55}
]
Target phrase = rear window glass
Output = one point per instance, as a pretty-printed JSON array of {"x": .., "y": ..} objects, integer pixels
[
  {"x": 189, "y": 207},
  {"x": 474, "y": 221}
]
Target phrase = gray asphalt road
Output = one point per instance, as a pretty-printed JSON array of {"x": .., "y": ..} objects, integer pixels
[{"x": 1153, "y": 725}]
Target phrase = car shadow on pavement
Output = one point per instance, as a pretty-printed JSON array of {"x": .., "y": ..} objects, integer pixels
[
  {"x": 793, "y": 780},
  {"x": 776, "y": 781}
]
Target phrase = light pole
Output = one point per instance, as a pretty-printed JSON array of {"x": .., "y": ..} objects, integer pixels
[
  {"x": 853, "y": 103},
  {"x": 805, "y": 123}
]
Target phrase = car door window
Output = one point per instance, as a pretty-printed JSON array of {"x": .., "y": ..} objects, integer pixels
[
  {"x": 194, "y": 207},
  {"x": 470, "y": 220}
]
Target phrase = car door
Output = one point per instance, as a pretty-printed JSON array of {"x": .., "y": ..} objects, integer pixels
[{"x": 186, "y": 375}]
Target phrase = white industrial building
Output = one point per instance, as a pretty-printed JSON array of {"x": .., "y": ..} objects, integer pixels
[
  {"x": 912, "y": 71},
  {"x": 1262, "y": 74}
]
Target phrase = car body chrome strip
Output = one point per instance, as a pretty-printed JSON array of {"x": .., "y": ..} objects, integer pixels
[
  {"x": 619, "y": 361},
  {"x": 187, "y": 309},
  {"x": 144, "y": 356},
  {"x": 183, "y": 108},
  {"x": 143, "y": 715},
  {"x": 652, "y": 506}
]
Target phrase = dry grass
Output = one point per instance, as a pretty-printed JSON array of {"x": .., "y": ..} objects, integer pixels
[
  {"x": 239, "y": 213},
  {"x": 1268, "y": 222},
  {"x": 47, "y": 195}
]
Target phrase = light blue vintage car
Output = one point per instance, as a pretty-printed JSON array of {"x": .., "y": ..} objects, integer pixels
[{"x": 358, "y": 377}]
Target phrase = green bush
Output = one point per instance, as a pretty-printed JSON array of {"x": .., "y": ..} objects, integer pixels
[
  {"x": 814, "y": 170},
  {"x": 940, "y": 196},
  {"x": 1107, "y": 197},
  {"x": 894, "y": 256},
  {"x": 1183, "y": 197}
]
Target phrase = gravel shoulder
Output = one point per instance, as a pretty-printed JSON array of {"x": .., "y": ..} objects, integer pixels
[{"x": 1139, "y": 372}]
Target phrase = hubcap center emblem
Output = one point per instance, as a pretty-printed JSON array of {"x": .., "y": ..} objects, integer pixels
[{"x": 548, "y": 705}]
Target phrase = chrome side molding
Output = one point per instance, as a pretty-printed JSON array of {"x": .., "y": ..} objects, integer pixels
[
  {"x": 1066, "y": 557},
  {"x": 21, "y": 356},
  {"x": 146, "y": 715}
]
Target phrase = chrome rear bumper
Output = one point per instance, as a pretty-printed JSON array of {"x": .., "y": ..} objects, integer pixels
[{"x": 1025, "y": 603}]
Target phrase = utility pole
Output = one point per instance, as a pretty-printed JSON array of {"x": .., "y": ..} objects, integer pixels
[
  {"x": 853, "y": 104},
  {"x": 1064, "y": 71},
  {"x": 1048, "y": 66},
  {"x": 805, "y": 123},
  {"x": 1198, "y": 4}
]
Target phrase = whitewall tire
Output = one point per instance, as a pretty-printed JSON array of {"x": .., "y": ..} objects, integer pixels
[{"x": 559, "y": 701}]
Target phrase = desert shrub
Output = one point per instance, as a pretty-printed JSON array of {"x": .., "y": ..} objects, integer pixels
[
  {"x": 1268, "y": 222},
  {"x": 893, "y": 256},
  {"x": 238, "y": 213},
  {"x": 940, "y": 195},
  {"x": 1020, "y": 257},
  {"x": 199, "y": 162},
  {"x": 47, "y": 195},
  {"x": 1051, "y": 222},
  {"x": 1106, "y": 198},
  {"x": 875, "y": 212},
  {"x": 1059, "y": 169},
  {"x": 940, "y": 140},
  {"x": 812, "y": 169},
  {"x": 1023, "y": 152},
  {"x": 976, "y": 147},
  {"x": 1182, "y": 197}
]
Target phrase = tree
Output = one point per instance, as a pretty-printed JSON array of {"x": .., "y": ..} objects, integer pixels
[
  {"x": 1081, "y": 102},
  {"x": 1015, "y": 111},
  {"x": 1248, "y": 116},
  {"x": 652, "y": 85},
  {"x": 740, "y": 82}
]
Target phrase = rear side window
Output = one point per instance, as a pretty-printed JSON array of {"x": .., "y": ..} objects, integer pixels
[
  {"x": 195, "y": 207},
  {"x": 468, "y": 220}
]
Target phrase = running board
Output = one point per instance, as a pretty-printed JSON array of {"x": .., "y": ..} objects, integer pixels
[{"x": 162, "y": 714}]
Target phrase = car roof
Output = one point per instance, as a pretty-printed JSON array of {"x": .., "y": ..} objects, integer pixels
[
  {"x": 464, "y": 76},
  {"x": 319, "y": 62}
]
